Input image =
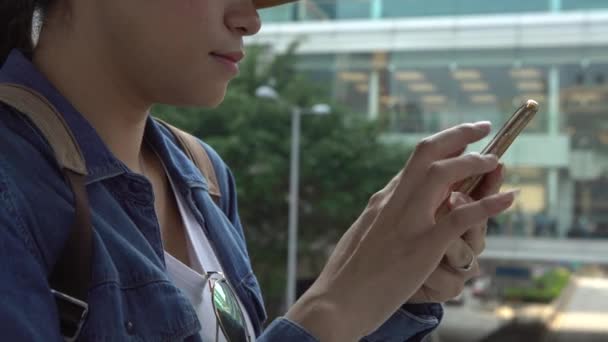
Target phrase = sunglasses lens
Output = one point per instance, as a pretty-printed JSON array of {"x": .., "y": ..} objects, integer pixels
[{"x": 229, "y": 314}]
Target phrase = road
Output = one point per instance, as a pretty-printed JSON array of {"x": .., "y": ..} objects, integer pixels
[
  {"x": 581, "y": 316},
  {"x": 585, "y": 316}
]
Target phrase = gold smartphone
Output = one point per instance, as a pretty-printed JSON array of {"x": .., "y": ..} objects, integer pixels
[{"x": 502, "y": 140}]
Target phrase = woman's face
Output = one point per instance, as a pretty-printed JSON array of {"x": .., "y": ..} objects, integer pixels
[{"x": 180, "y": 52}]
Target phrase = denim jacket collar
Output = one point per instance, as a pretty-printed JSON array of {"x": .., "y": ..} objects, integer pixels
[{"x": 101, "y": 162}]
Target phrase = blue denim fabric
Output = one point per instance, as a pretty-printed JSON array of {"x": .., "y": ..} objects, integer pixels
[{"x": 131, "y": 297}]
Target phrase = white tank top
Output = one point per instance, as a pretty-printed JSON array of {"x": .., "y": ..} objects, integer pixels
[{"x": 191, "y": 281}]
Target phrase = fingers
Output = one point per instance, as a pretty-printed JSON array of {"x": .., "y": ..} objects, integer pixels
[
  {"x": 442, "y": 174},
  {"x": 450, "y": 171},
  {"x": 444, "y": 283},
  {"x": 459, "y": 254},
  {"x": 457, "y": 153},
  {"x": 463, "y": 218},
  {"x": 445, "y": 144},
  {"x": 491, "y": 183},
  {"x": 450, "y": 141},
  {"x": 471, "y": 244},
  {"x": 475, "y": 237}
]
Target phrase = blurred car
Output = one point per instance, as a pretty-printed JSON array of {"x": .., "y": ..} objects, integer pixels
[{"x": 481, "y": 287}]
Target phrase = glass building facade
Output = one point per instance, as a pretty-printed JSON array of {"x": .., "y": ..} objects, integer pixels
[
  {"x": 560, "y": 163},
  {"x": 383, "y": 9}
]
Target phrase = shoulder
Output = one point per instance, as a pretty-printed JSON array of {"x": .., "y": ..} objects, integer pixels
[
  {"x": 224, "y": 177},
  {"x": 27, "y": 159},
  {"x": 223, "y": 174},
  {"x": 25, "y": 153},
  {"x": 220, "y": 166},
  {"x": 16, "y": 129},
  {"x": 28, "y": 178}
]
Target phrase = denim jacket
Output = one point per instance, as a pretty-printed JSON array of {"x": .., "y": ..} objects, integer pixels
[{"x": 130, "y": 297}]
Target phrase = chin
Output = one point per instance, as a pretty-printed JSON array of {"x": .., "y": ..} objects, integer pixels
[
  {"x": 205, "y": 97},
  {"x": 210, "y": 95},
  {"x": 213, "y": 104},
  {"x": 212, "y": 99}
]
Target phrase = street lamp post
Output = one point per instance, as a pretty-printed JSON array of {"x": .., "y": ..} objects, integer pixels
[
  {"x": 294, "y": 186},
  {"x": 294, "y": 198}
]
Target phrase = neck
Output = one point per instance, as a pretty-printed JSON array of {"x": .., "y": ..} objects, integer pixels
[{"x": 94, "y": 85}]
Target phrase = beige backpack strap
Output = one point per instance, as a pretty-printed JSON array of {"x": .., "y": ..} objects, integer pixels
[
  {"x": 50, "y": 123},
  {"x": 197, "y": 153},
  {"x": 71, "y": 275}
]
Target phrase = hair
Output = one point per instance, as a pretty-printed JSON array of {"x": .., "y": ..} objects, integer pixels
[{"x": 16, "y": 21}]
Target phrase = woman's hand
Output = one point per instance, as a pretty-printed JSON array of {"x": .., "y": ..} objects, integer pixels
[
  {"x": 449, "y": 278},
  {"x": 396, "y": 244}
]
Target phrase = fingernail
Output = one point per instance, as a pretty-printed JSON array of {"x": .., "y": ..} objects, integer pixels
[
  {"x": 483, "y": 125},
  {"x": 510, "y": 196},
  {"x": 502, "y": 170},
  {"x": 490, "y": 157}
]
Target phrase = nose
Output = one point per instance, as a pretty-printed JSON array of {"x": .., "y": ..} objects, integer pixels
[{"x": 243, "y": 19}]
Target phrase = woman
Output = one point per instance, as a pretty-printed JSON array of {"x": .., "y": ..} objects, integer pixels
[{"x": 160, "y": 243}]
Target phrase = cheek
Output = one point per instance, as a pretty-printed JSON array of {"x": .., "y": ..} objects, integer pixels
[
  {"x": 168, "y": 44},
  {"x": 195, "y": 12},
  {"x": 165, "y": 35},
  {"x": 188, "y": 27}
]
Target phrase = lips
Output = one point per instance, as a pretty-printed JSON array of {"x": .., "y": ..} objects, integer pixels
[{"x": 233, "y": 57}]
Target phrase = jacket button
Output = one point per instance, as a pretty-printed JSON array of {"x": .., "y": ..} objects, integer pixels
[{"x": 130, "y": 327}]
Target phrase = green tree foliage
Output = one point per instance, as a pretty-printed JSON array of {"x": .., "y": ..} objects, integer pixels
[{"x": 342, "y": 164}]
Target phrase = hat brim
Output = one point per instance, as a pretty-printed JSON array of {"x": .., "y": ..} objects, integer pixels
[{"x": 270, "y": 3}]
